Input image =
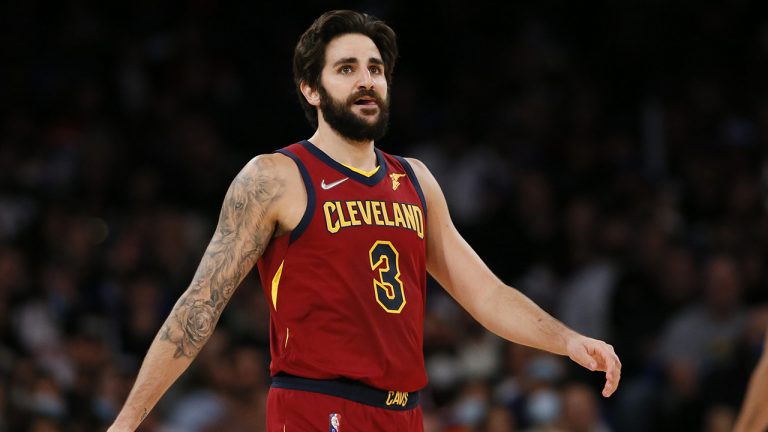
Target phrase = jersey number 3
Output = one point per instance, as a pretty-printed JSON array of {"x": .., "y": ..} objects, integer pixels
[{"x": 388, "y": 287}]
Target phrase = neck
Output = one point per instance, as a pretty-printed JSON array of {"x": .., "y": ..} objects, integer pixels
[{"x": 358, "y": 154}]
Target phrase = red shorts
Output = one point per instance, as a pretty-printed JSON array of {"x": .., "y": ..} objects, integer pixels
[{"x": 304, "y": 411}]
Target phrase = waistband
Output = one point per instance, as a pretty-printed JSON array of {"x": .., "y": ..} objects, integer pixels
[{"x": 351, "y": 390}]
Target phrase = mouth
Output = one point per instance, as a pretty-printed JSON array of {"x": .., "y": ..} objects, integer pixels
[{"x": 366, "y": 101}]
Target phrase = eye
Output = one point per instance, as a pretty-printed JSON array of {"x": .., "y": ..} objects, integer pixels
[
  {"x": 375, "y": 70},
  {"x": 344, "y": 70}
]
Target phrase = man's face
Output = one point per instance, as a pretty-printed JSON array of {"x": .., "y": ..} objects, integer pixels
[{"x": 353, "y": 89}]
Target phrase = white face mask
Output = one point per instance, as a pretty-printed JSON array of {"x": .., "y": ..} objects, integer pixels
[
  {"x": 104, "y": 408},
  {"x": 543, "y": 407},
  {"x": 470, "y": 410},
  {"x": 49, "y": 405}
]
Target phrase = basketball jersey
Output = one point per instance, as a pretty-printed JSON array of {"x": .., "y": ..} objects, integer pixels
[{"x": 347, "y": 287}]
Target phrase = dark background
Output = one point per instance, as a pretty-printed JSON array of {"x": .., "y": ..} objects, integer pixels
[{"x": 608, "y": 159}]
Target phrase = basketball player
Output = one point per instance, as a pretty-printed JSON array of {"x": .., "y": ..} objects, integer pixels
[{"x": 343, "y": 235}]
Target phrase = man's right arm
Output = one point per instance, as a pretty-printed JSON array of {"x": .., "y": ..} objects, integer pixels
[{"x": 246, "y": 223}]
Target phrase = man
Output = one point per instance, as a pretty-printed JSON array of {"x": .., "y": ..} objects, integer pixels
[{"x": 343, "y": 235}]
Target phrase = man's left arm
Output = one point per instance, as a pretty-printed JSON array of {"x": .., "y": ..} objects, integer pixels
[{"x": 500, "y": 308}]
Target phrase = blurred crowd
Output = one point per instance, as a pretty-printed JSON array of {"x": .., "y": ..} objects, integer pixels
[{"x": 611, "y": 162}]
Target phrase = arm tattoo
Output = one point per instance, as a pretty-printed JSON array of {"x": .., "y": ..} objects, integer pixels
[
  {"x": 240, "y": 238},
  {"x": 143, "y": 415}
]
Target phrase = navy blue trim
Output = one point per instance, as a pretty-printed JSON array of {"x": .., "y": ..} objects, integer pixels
[
  {"x": 415, "y": 180},
  {"x": 310, "y": 210},
  {"x": 346, "y": 389},
  {"x": 370, "y": 181}
]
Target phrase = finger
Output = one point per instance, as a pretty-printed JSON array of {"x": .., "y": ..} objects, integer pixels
[
  {"x": 605, "y": 359},
  {"x": 584, "y": 358},
  {"x": 611, "y": 384},
  {"x": 612, "y": 371}
]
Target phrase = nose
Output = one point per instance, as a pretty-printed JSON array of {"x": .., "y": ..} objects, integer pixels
[{"x": 365, "y": 80}]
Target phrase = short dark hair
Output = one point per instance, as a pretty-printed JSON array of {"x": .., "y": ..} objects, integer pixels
[{"x": 309, "y": 55}]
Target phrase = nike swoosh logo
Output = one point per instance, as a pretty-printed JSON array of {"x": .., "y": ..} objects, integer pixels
[{"x": 332, "y": 185}]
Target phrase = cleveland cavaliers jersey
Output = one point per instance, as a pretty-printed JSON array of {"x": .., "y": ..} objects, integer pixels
[{"x": 347, "y": 287}]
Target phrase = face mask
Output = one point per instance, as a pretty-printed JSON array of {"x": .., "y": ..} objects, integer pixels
[
  {"x": 470, "y": 410},
  {"x": 543, "y": 407},
  {"x": 104, "y": 409},
  {"x": 48, "y": 405},
  {"x": 545, "y": 368}
]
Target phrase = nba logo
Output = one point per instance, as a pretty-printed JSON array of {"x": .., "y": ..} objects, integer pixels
[{"x": 335, "y": 422}]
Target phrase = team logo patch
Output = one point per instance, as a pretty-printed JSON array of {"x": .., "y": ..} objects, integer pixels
[
  {"x": 335, "y": 422},
  {"x": 395, "y": 180}
]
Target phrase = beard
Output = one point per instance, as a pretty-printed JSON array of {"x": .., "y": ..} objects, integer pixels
[{"x": 343, "y": 120}]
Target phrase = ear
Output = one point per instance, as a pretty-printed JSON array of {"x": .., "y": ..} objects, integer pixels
[{"x": 310, "y": 94}]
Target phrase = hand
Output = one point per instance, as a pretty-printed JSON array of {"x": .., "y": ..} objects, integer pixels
[{"x": 596, "y": 355}]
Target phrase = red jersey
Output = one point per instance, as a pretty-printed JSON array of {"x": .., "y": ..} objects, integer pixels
[{"x": 347, "y": 287}]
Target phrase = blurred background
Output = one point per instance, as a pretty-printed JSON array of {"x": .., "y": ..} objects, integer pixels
[{"x": 610, "y": 160}]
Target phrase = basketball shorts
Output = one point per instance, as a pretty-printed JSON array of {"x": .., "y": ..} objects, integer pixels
[{"x": 303, "y": 405}]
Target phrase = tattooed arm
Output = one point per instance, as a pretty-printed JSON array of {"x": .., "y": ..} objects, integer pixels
[{"x": 249, "y": 217}]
